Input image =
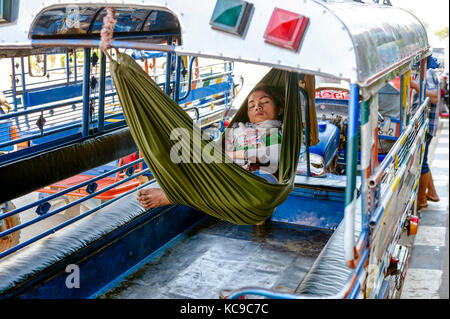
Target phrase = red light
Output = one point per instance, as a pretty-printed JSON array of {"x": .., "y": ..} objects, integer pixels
[
  {"x": 285, "y": 28},
  {"x": 394, "y": 260},
  {"x": 332, "y": 94}
]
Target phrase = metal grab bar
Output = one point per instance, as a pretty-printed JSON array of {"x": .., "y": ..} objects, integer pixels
[
  {"x": 51, "y": 231},
  {"x": 349, "y": 289},
  {"x": 214, "y": 76},
  {"x": 33, "y": 221},
  {"x": 197, "y": 112},
  {"x": 191, "y": 62},
  {"x": 50, "y": 131},
  {"x": 68, "y": 102},
  {"x": 68, "y": 190},
  {"x": 387, "y": 197},
  {"x": 374, "y": 179},
  {"x": 206, "y": 104}
]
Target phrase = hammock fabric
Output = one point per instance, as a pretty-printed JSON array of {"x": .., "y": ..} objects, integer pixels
[{"x": 210, "y": 181}]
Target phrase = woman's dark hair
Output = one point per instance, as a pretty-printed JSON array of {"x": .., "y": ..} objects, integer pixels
[{"x": 274, "y": 93}]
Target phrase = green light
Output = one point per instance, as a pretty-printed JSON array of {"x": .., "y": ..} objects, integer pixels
[{"x": 231, "y": 16}]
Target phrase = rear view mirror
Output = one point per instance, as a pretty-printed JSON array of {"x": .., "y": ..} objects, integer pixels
[{"x": 37, "y": 65}]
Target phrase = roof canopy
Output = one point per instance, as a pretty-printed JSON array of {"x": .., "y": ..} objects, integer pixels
[{"x": 348, "y": 40}]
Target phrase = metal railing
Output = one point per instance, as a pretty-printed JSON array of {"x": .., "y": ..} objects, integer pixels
[
  {"x": 45, "y": 201},
  {"x": 349, "y": 290},
  {"x": 75, "y": 119},
  {"x": 72, "y": 118}
]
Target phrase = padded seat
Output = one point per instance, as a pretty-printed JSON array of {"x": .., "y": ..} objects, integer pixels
[
  {"x": 329, "y": 273},
  {"x": 330, "y": 181},
  {"x": 28, "y": 262}
]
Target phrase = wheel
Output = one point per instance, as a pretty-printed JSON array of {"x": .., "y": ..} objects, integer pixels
[{"x": 12, "y": 239}]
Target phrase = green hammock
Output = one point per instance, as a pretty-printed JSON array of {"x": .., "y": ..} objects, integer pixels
[{"x": 218, "y": 186}]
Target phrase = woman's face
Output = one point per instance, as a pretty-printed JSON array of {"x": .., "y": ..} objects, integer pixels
[{"x": 261, "y": 107}]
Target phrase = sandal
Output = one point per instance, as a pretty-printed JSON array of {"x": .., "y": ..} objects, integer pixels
[
  {"x": 433, "y": 199},
  {"x": 421, "y": 206}
]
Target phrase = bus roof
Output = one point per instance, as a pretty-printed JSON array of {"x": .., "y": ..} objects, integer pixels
[{"x": 347, "y": 40}]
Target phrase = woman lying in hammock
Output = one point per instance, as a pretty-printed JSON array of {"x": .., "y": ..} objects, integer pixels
[{"x": 254, "y": 145}]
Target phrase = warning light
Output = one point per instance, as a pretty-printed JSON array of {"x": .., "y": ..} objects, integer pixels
[
  {"x": 285, "y": 29},
  {"x": 231, "y": 16}
]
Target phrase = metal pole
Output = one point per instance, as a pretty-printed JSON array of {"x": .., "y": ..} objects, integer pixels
[
  {"x": 23, "y": 77},
  {"x": 67, "y": 68},
  {"x": 168, "y": 68},
  {"x": 366, "y": 150},
  {"x": 307, "y": 132},
  {"x": 86, "y": 91},
  {"x": 101, "y": 97},
  {"x": 24, "y": 100},
  {"x": 191, "y": 61},
  {"x": 423, "y": 65},
  {"x": 75, "y": 64},
  {"x": 351, "y": 171},
  {"x": 14, "y": 90},
  {"x": 402, "y": 104},
  {"x": 177, "y": 79}
]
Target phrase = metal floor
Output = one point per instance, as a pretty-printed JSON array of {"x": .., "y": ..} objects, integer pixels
[{"x": 216, "y": 255}]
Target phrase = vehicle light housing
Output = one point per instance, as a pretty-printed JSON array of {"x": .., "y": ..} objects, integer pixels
[
  {"x": 231, "y": 16},
  {"x": 285, "y": 29}
]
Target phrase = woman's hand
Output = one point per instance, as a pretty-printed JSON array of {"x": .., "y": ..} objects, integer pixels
[
  {"x": 237, "y": 155},
  {"x": 414, "y": 85},
  {"x": 152, "y": 197}
]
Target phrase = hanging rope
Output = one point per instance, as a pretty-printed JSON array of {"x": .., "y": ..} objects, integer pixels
[{"x": 106, "y": 34}]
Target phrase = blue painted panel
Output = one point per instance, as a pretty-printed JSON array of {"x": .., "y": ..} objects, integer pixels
[
  {"x": 58, "y": 93},
  {"x": 332, "y": 101},
  {"x": 319, "y": 209},
  {"x": 341, "y": 158},
  {"x": 102, "y": 169},
  {"x": 387, "y": 137},
  {"x": 328, "y": 142},
  {"x": 52, "y": 137},
  {"x": 138, "y": 54},
  {"x": 206, "y": 91},
  {"x": 5, "y": 135}
]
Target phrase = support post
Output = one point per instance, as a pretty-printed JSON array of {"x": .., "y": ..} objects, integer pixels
[
  {"x": 351, "y": 172},
  {"x": 86, "y": 91},
  {"x": 101, "y": 97}
]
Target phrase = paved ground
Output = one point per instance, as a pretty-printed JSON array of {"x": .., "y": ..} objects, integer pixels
[{"x": 427, "y": 276}]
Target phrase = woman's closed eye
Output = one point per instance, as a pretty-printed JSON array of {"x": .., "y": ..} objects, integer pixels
[{"x": 261, "y": 102}]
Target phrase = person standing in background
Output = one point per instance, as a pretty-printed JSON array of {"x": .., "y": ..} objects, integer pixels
[{"x": 427, "y": 190}]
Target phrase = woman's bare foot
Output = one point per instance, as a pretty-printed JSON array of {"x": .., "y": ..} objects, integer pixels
[{"x": 152, "y": 197}]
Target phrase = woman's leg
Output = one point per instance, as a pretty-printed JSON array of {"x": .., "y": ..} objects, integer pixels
[
  {"x": 430, "y": 190},
  {"x": 424, "y": 177},
  {"x": 267, "y": 176},
  {"x": 152, "y": 197},
  {"x": 432, "y": 194},
  {"x": 270, "y": 178}
]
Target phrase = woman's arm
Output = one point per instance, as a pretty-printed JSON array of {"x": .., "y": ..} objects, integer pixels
[
  {"x": 240, "y": 155},
  {"x": 265, "y": 155},
  {"x": 432, "y": 94}
]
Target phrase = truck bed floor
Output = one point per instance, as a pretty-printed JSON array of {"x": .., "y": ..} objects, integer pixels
[{"x": 215, "y": 255}]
